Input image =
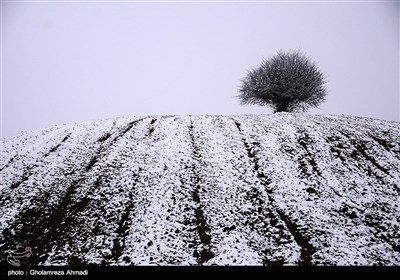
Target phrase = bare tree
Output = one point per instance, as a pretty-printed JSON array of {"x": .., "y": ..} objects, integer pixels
[{"x": 287, "y": 82}]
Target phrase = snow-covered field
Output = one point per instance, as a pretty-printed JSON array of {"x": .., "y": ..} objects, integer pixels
[{"x": 282, "y": 189}]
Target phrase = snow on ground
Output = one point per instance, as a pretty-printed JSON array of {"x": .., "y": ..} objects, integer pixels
[{"x": 282, "y": 189}]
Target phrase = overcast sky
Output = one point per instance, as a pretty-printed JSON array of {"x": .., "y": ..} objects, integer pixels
[{"x": 72, "y": 62}]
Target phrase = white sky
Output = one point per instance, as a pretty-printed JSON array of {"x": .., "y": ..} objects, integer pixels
[{"x": 72, "y": 62}]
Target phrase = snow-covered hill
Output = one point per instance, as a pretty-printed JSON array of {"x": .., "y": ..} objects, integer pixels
[{"x": 287, "y": 189}]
